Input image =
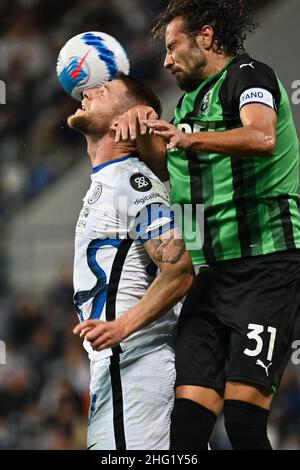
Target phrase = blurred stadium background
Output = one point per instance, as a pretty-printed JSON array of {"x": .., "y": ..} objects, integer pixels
[{"x": 43, "y": 177}]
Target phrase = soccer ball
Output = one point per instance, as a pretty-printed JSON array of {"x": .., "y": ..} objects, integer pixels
[{"x": 89, "y": 60}]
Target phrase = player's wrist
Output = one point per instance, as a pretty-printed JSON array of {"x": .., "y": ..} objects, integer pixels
[
  {"x": 195, "y": 141},
  {"x": 124, "y": 326}
]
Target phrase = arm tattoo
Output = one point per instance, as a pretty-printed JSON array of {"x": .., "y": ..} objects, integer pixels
[{"x": 169, "y": 250}]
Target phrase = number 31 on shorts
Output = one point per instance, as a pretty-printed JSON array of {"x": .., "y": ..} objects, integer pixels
[{"x": 255, "y": 334}]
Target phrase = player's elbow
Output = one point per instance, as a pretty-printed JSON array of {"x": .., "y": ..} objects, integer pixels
[
  {"x": 269, "y": 145},
  {"x": 264, "y": 144}
]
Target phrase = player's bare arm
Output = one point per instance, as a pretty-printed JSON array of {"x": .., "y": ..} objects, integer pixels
[
  {"x": 167, "y": 249},
  {"x": 257, "y": 137},
  {"x": 152, "y": 149},
  {"x": 175, "y": 279}
]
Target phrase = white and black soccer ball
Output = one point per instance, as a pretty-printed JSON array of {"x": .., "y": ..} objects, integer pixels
[{"x": 89, "y": 60}]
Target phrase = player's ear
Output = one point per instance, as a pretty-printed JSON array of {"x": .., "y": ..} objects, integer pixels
[
  {"x": 205, "y": 37},
  {"x": 114, "y": 124}
]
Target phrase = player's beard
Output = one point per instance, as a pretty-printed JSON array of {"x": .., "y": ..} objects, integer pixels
[
  {"x": 190, "y": 76},
  {"x": 88, "y": 125},
  {"x": 188, "y": 83}
]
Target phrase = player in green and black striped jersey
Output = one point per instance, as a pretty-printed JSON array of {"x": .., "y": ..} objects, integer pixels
[
  {"x": 250, "y": 203},
  {"x": 232, "y": 148}
]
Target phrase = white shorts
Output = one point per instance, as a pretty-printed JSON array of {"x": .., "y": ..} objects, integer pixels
[{"x": 132, "y": 401}]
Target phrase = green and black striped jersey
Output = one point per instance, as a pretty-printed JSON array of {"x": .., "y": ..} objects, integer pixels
[{"x": 249, "y": 205}]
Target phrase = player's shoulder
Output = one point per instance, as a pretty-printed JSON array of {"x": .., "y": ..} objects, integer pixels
[
  {"x": 136, "y": 175},
  {"x": 244, "y": 73},
  {"x": 140, "y": 185},
  {"x": 245, "y": 65}
]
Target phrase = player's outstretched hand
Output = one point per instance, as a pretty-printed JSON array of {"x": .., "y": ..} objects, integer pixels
[
  {"x": 131, "y": 123},
  {"x": 174, "y": 137},
  {"x": 101, "y": 334}
]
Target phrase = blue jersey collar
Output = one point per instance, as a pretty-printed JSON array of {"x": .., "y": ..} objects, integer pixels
[{"x": 117, "y": 160}]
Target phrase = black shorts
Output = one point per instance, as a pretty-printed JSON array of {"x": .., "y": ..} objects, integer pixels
[{"x": 238, "y": 322}]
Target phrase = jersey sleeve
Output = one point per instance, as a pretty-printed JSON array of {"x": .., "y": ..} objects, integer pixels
[
  {"x": 144, "y": 206},
  {"x": 250, "y": 82},
  {"x": 152, "y": 221}
]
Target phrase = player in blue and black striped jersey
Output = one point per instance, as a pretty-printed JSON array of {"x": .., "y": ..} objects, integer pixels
[{"x": 124, "y": 232}]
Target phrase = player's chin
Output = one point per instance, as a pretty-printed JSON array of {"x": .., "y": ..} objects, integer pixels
[{"x": 77, "y": 121}]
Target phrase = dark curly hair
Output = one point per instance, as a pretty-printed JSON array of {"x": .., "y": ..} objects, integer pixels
[{"x": 230, "y": 19}]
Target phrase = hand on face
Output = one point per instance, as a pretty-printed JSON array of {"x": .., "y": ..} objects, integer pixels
[
  {"x": 131, "y": 123},
  {"x": 171, "y": 135}
]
